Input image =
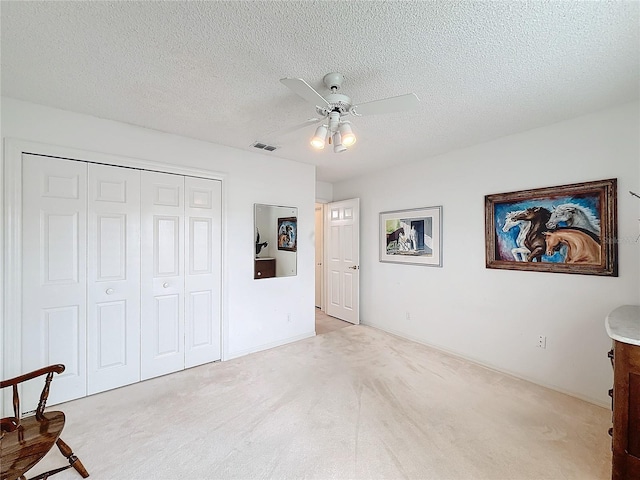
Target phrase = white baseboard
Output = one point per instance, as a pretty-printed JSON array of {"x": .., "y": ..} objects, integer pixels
[
  {"x": 488, "y": 365},
  {"x": 267, "y": 346}
]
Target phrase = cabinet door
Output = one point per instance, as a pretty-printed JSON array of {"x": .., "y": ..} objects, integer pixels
[
  {"x": 162, "y": 274},
  {"x": 54, "y": 238},
  {"x": 203, "y": 270},
  {"x": 626, "y": 412},
  {"x": 113, "y": 283}
]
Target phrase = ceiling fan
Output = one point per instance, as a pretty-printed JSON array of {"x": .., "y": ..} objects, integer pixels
[{"x": 333, "y": 107}]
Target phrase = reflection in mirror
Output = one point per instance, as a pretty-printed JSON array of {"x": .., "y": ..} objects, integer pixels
[{"x": 276, "y": 241}]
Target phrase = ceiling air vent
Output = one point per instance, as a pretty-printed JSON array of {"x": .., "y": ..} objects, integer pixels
[{"x": 264, "y": 146}]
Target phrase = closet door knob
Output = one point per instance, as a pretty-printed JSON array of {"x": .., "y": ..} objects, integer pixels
[
  {"x": 165, "y": 285},
  {"x": 109, "y": 291}
]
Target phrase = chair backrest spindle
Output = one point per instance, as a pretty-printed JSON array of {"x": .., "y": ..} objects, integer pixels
[
  {"x": 16, "y": 403},
  {"x": 43, "y": 396}
]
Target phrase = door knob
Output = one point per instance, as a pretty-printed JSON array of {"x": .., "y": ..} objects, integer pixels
[
  {"x": 109, "y": 291},
  {"x": 165, "y": 285},
  {"x": 354, "y": 267}
]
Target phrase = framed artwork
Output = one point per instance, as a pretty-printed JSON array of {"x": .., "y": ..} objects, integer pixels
[
  {"x": 564, "y": 229},
  {"x": 412, "y": 236},
  {"x": 288, "y": 234}
]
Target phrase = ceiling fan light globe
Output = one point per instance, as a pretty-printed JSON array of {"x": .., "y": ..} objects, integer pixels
[
  {"x": 317, "y": 141},
  {"x": 348, "y": 138},
  {"x": 339, "y": 148}
]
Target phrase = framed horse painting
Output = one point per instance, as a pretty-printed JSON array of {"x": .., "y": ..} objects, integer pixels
[
  {"x": 564, "y": 229},
  {"x": 412, "y": 236}
]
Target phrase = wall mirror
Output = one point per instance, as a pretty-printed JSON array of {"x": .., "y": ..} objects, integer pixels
[{"x": 276, "y": 241}]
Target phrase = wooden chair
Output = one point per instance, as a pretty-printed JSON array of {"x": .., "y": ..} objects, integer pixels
[{"x": 24, "y": 442}]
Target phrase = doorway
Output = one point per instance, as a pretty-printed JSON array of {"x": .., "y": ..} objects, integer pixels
[
  {"x": 319, "y": 236},
  {"x": 337, "y": 263},
  {"x": 342, "y": 254}
]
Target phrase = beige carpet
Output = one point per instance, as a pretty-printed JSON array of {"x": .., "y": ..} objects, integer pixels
[
  {"x": 326, "y": 324},
  {"x": 355, "y": 403}
]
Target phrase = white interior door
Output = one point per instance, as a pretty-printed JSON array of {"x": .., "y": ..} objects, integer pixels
[
  {"x": 343, "y": 256},
  {"x": 54, "y": 239},
  {"x": 319, "y": 234},
  {"x": 203, "y": 240},
  {"x": 162, "y": 274},
  {"x": 113, "y": 283}
]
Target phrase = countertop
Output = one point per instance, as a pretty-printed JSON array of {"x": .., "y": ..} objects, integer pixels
[{"x": 623, "y": 324}]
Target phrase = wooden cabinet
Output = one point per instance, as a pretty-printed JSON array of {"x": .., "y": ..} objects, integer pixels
[
  {"x": 623, "y": 326},
  {"x": 626, "y": 411},
  {"x": 264, "y": 268}
]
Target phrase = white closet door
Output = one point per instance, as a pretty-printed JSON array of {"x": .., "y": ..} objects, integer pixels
[
  {"x": 54, "y": 239},
  {"x": 162, "y": 274},
  {"x": 113, "y": 288},
  {"x": 202, "y": 279}
]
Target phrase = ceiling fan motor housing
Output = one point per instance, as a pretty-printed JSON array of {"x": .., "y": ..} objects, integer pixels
[
  {"x": 334, "y": 121},
  {"x": 337, "y": 103}
]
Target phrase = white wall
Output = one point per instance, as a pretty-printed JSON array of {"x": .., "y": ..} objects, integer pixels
[
  {"x": 256, "y": 314},
  {"x": 324, "y": 192},
  {"x": 495, "y": 316}
]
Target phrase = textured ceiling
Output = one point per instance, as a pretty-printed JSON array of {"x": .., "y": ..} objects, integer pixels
[{"x": 211, "y": 70}]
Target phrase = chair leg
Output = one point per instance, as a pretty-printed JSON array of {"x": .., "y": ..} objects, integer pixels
[{"x": 73, "y": 460}]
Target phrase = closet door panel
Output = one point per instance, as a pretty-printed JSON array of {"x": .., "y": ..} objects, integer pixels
[
  {"x": 113, "y": 289},
  {"x": 54, "y": 232},
  {"x": 203, "y": 275},
  {"x": 162, "y": 274},
  {"x": 167, "y": 326}
]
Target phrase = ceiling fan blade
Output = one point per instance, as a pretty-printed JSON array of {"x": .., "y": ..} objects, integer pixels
[
  {"x": 284, "y": 131},
  {"x": 303, "y": 89},
  {"x": 402, "y": 103}
]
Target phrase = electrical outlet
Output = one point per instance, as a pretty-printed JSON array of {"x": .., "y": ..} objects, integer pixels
[
  {"x": 408, "y": 316},
  {"x": 542, "y": 341}
]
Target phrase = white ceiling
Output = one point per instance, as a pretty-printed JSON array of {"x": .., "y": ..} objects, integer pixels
[{"x": 211, "y": 70}]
